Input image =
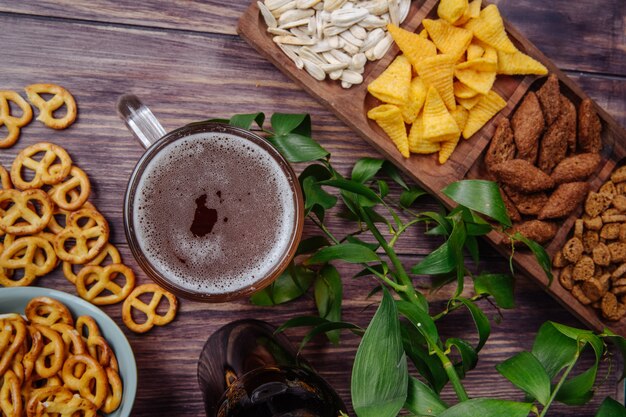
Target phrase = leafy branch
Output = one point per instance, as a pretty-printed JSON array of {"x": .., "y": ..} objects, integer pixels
[{"x": 382, "y": 383}]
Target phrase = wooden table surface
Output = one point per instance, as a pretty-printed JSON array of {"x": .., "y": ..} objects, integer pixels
[{"x": 184, "y": 59}]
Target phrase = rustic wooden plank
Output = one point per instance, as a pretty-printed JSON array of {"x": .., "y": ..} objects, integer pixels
[
  {"x": 191, "y": 15},
  {"x": 185, "y": 82},
  {"x": 584, "y": 35}
]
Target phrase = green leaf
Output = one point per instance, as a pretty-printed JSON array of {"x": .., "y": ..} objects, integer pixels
[
  {"x": 469, "y": 357},
  {"x": 298, "y": 148},
  {"x": 302, "y": 321},
  {"x": 383, "y": 188},
  {"x": 379, "y": 374},
  {"x": 620, "y": 344},
  {"x": 315, "y": 195},
  {"x": 291, "y": 284},
  {"x": 244, "y": 121},
  {"x": 417, "y": 350},
  {"x": 392, "y": 171},
  {"x": 528, "y": 374},
  {"x": 471, "y": 243},
  {"x": 328, "y": 297},
  {"x": 318, "y": 171},
  {"x": 481, "y": 196},
  {"x": 481, "y": 321},
  {"x": 579, "y": 389},
  {"x": 553, "y": 349},
  {"x": 421, "y": 320},
  {"x": 499, "y": 286},
  {"x": 354, "y": 239},
  {"x": 365, "y": 169},
  {"x": 543, "y": 259},
  {"x": 329, "y": 328},
  {"x": 408, "y": 197},
  {"x": 353, "y": 187},
  {"x": 349, "y": 252},
  {"x": 611, "y": 408},
  {"x": 437, "y": 262},
  {"x": 421, "y": 400},
  {"x": 283, "y": 123},
  {"x": 487, "y": 407},
  {"x": 311, "y": 244}
]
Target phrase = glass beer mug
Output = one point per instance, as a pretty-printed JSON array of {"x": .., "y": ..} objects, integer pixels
[{"x": 245, "y": 370}]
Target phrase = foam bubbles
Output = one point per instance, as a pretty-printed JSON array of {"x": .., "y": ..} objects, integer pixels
[{"x": 243, "y": 183}]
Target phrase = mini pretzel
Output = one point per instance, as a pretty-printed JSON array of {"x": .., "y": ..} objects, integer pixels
[
  {"x": 13, "y": 123},
  {"x": 92, "y": 384},
  {"x": 47, "y": 108},
  {"x": 60, "y": 216},
  {"x": 50, "y": 360},
  {"x": 152, "y": 317},
  {"x": 36, "y": 346},
  {"x": 114, "y": 397},
  {"x": 60, "y": 193},
  {"x": 44, "y": 173},
  {"x": 12, "y": 336},
  {"x": 21, "y": 218},
  {"x": 5, "y": 178},
  {"x": 109, "y": 254},
  {"x": 22, "y": 255},
  {"x": 93, "y": 281},
  {"x": 83, "y": 251},
  {"x": 42, "y": 398},
  {"x": 96, "y": 344},
  {"x": 10, "y": 396},
  {"x": 48, "y": 311}
]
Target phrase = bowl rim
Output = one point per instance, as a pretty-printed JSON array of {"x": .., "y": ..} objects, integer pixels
[{"x": 107, "y": 325}]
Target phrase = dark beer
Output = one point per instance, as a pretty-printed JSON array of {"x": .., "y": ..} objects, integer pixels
[{"x": 214, "y": 212}]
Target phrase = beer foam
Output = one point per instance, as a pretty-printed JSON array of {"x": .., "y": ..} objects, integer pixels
[{"x": 255, "y": 212}]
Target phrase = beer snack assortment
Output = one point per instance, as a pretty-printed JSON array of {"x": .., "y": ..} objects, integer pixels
[
  {"x": 45, "y": 219},
  {"x": 55, "y": 364}
]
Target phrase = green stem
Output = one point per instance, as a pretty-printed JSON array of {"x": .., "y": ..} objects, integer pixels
[
  {"x": 397, "y": 287},
  {"x": 452, "y": 375},
  {"x": 403, "y": 229},
  {"x": 456, "y": 306},
  {"x": 558, "y": 386},
  {"x": 403, "y": 277}
]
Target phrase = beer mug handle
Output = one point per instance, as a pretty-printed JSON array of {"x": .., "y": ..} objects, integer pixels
[{"x": 139, "y": 120}]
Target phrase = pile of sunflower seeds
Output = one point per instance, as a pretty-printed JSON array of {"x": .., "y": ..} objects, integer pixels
[{"x": 333, "y": 38}]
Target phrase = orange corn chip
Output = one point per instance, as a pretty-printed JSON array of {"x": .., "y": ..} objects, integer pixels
[
  {"x": 438, "y": 71},
  {"x": 480, "y": 81},
  {"x": 417, "y": 96},
  {"x": 519, "y": 63},
  {"x": 469, "y": 103},
  {"x": 414, "y": 47},
  {"x": 449, "y": 39},
  {"x": 474, "y": 51},
  {"x": 452, "y": 10},
  {"x": 417, "y": 142},
  {"x": 489, "y": 28},
  {"x": 487, "y": 107},
  {"x": 389, "y": 118},
  {"x": 392, "y": 86},
  {"x": 487, "y": 62},
  {"x": 424, "y": 34},
  {"x": 447, "y": 147},
  {"x": 463, "y": 91},
  {"x": 472, "y": 12},
  {"x": 460, "y": 116},
  {"x": 439, "y": 125}
]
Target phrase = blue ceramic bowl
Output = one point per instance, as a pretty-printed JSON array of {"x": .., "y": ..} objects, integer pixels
[{"x": 14, "y": 300}]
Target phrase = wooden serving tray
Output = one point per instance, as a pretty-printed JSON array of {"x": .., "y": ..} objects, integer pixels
[{"x": 351, "y": 106}]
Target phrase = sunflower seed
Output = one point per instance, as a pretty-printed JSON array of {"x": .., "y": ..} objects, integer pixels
[
  {"x": 352, "y": 77},
  {"x": 330, "y": 5},
  {"x": 288, "y": 50},
  {"x": 333, "y": 67},
  {"x": 348, "y": 17},
  {"x": 269, "y": 18},
  {"x": 335, "y": 75},
  {"x": 279, "y": 11},
  {"x": 276, "y": 4},
  {"x": 383, "y": 46},
  {"x": 358, "y": 32},
  {"x": 294, "y": 15},
  {"x": 306, "y": 4},
  {"x": 293, "y": 40},
  {"x": 376, "y": 7},
  {"x": 314, "y": 70},
  {"x": 394, "y": 12}
]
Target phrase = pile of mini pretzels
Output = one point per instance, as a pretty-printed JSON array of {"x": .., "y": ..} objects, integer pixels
[
  {"x": 52, "y": 364},
  {"x": 46, "y": 219}
]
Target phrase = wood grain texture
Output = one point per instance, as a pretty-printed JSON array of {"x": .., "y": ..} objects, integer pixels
[{"x": 187, "y": 76}]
